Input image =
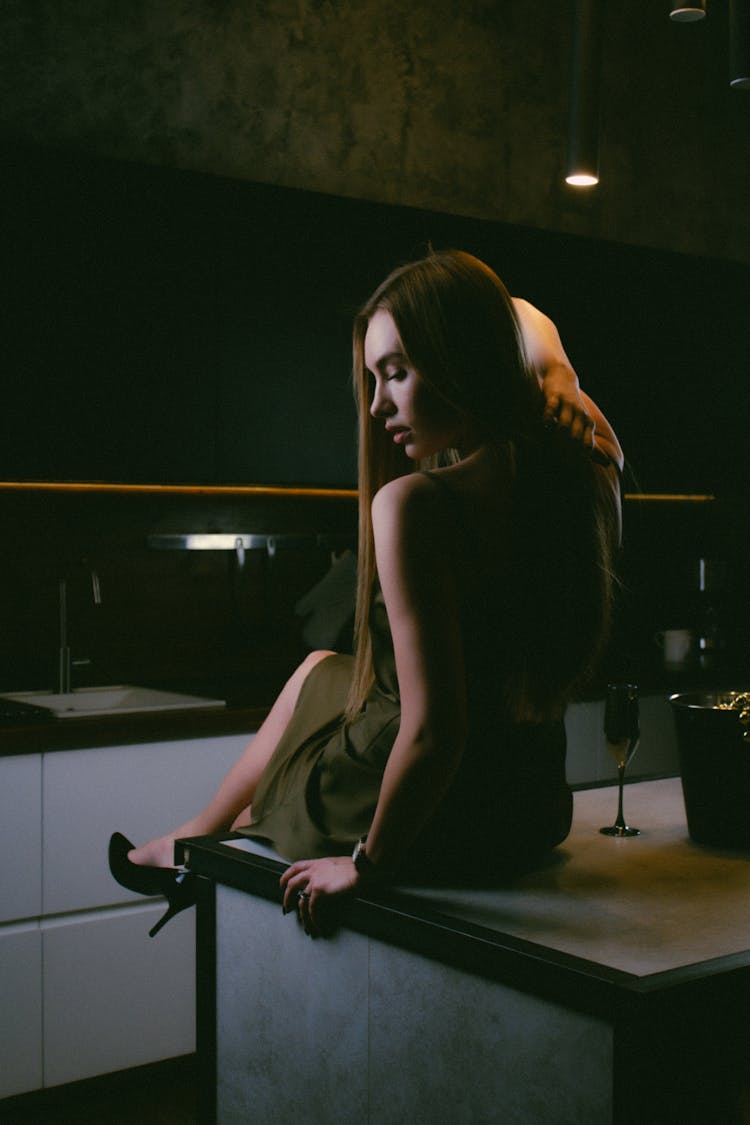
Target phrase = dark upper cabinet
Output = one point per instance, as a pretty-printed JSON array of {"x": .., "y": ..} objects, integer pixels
[
  {"x": 173, "y": 327},
  {"x": 113, "y": 374}
]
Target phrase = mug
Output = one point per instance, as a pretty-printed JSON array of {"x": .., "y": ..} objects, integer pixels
[{"x": 677, "y": 645}]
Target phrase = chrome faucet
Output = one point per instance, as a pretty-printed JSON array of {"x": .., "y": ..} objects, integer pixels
[{"x": 63, "y": 657}]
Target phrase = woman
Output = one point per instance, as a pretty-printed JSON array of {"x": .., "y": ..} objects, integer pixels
[{"x": 438, "y": 750}]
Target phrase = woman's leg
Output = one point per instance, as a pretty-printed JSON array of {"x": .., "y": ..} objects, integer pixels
[{"x": 236, "y": 790}]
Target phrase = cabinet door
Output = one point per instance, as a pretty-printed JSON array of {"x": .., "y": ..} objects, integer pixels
[
  {"x": 583, "y": 727},
  {"x": 112, "y": 332},
  {"x": 588, "y": 758},
  {"x": 141, "y": 791},
  {"x": 21, "y": 836},
  {"x": 113, "y": 997},
  {"x": 20, "y": 1009}
]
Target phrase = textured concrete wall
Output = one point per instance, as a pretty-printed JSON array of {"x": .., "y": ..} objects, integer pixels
[{"x": 455, "y": 105}]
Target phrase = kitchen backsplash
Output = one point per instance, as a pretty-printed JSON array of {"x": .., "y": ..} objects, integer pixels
[{"x": 229, "y": 619}]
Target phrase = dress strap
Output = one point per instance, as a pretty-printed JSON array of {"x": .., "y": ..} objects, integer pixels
[{"x": 440, "y": 482}]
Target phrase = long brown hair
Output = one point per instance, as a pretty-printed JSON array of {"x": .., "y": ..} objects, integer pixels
[{"x": 458, "y": 327}]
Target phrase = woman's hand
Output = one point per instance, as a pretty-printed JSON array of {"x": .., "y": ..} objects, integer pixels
[
  {"x": 565, "y": 406},
  {"x": 311, "y": 885}
]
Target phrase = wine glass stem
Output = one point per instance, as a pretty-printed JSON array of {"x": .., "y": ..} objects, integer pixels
[{"x": 620, "y": 822}]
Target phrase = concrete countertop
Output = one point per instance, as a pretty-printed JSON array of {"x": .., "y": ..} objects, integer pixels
[
  {"x": 643, "y": 905},
  {"x": 637, "y": 915}
]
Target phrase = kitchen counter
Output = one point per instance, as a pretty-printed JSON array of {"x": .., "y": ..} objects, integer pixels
[
  {"x": 46, "y": 735},
  {"x": 634, "y": 914},
  {"x": 609, "y": 986}
]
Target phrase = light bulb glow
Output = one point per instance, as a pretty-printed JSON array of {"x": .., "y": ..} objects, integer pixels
[{"x": 581, "y": 179}]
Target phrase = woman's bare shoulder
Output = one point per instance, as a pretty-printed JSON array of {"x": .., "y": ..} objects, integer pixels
[
  {"x": 473, "y": 494},
  {"x": 407, "y": 498}
]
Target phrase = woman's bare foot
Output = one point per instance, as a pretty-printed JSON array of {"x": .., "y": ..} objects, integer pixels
[
  {"x": 230, "y": 804},
  {"x": 156, "y": 853}
]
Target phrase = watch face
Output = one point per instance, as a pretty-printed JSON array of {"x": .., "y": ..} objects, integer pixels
[{"x": 359, "y": 856}]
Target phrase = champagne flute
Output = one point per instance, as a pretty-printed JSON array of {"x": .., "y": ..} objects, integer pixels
[{"x": 622, "y": 731}]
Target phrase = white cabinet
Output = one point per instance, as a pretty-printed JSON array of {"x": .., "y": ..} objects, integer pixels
[
  {"x": 20, "y": 836},
  {"x": 20, "y": 937},
  {"x": 83, "y": 989},
  {"x": 589, "y": 760},
  {"x": 141, "y": 791},
  {"x": 114, "y": 998},
  {"x": 584, "y": 724},
  {"x": 20, "y": 1008}
]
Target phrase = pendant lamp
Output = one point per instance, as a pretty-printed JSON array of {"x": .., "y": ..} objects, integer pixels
[
  {"x": 739, "y": 44},
  {"x": 583, "y": 127},
  {"x": 683, "y": 12}
]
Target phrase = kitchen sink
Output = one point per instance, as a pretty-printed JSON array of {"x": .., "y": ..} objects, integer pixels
[{"x": 120, "y": 700}]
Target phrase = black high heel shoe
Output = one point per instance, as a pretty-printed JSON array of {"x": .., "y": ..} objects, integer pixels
[{"x": 176, "y": 885}]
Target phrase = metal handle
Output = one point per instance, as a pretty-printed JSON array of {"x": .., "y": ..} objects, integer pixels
[{"x": 241, "y": 541}]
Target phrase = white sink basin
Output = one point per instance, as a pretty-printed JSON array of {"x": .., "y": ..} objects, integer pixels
[{"x": 118, "y": 700}]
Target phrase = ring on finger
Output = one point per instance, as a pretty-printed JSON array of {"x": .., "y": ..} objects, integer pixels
[{"x": 303, "y": 896}]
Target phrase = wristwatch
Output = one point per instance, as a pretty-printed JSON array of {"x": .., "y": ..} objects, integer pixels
[{"x": 362, "y": 862}]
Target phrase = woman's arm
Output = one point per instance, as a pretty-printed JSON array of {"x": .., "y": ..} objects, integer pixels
[
  {"x": 605, "y": 438},
  {"x": 555, "y": 372},
  {"x": 418, "y": 582},
  {"x": 564, "y": 400},
  {"x": 416, "y": 576}
]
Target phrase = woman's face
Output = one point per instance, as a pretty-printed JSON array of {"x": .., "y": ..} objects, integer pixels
[{"x": 414, "y": 414}]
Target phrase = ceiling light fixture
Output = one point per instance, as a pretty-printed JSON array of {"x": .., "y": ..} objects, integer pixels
[
  {"x": 583, "y": 127},
  {"x": 739, "y": 35},
  {"x": 687, "y": 13},
  {"x": 739, "y": 44}
]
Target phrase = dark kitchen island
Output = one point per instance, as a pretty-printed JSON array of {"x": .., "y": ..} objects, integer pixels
[{"x": 611, "y": 985}]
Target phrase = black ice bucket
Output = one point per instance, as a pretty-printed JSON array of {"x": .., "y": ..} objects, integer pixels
[{"x": 714, "y": 753}]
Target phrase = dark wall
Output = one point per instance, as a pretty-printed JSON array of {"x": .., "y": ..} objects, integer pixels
[{"x": 170, "y": 326}]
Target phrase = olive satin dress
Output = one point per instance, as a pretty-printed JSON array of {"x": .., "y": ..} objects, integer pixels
[{"x": 508, "y": 805}]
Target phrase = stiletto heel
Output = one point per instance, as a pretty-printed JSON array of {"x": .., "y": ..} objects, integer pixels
[
  {"x": 175, "y": 906},
  {"x": 175, "y": 884}
]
